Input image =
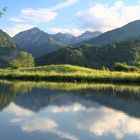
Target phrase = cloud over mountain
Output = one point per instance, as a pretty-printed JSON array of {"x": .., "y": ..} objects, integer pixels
[{"x": 104, "y": 17}]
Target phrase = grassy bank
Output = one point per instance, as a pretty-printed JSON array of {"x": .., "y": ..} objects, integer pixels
[{"x": 68, "y": 73}]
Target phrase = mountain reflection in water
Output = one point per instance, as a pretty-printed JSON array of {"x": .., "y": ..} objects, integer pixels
[{"x": 31, "y": 110}]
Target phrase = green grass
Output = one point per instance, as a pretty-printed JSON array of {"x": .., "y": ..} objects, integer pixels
[
  {"x": 58, "y": 69},
  {"x": 68, "y": 73}
]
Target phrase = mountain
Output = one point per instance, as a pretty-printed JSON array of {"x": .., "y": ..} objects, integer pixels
[
  {"x": 8, "y": 49},
  {"x": 131, "y": 31},
  {"x": 95, "y": 56},
  {"x": 70, "y": 39},
  {"x": 88, "y": 35},
  {"x": 65, "y": 38},
  {"x": 37, "y": 42}
]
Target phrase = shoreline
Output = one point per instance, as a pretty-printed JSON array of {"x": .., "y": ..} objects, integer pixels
[
  {"x": 74, "y": 79},
  {"x": 69, "y": 73}
]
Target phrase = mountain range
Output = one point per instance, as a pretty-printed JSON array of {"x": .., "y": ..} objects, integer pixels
[
  {"x": 38, "y": 42},
  {"x": 71, "y": 39},
  {"x": 119, "y": 45},
  {"x": 102, "y": 49},
  {"x": 131, "y": 31}
]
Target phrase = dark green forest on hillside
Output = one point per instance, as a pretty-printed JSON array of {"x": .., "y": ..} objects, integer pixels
[
  {"x": 8, "y": 49},
  {"x": 6, "y": 41},
  {"x": 95, "y": 56}
]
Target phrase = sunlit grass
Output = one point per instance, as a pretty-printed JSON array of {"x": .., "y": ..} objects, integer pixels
[{"x": 69, "y": 73}]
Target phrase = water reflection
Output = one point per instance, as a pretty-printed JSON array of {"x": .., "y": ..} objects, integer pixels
[{"x": 69, "y": 111}]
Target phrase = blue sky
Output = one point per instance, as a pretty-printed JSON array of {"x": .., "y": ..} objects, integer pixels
[{"x": 67, "y": 16}]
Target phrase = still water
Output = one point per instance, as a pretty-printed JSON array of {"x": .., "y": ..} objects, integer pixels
[{"x": 62, "y": 111}]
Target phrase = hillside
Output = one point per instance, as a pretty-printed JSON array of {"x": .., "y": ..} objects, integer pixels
[
  {"x": 6, "y": 41},
  {"x": 131, "y": 31},
  {"x": 58, "y": 69},
  {"x": 94, "y": 56},
  {"x": 37, "y": 42},
  {"x": 8, "y": 49}
]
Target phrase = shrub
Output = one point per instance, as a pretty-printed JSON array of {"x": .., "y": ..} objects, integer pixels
[
  {"x": 137, "y": 64},
  {"x": 124, "y": 67},
  {"x": 104, "y": 68},
  {"x": 23, "y": 59}
]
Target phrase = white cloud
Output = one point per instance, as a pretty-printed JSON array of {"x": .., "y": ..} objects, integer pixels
[
  {"x": 64, "y": 4},
  {"x": 38, "y": 124},
  {"x": 104, "y": 121},
  {"x": 104, "y": 17},
  {"x": 18, "y": 111},
  {"x": 32, "y": 122},
  {"x": 40, "y": 15},
  {"x": 64, "y": 135},
  {"x": 17, "y": 28},
  {"x": 14, "y": 19},
  {"x": 37, "y": 15},
  {"x": 42, "y": 125},
  {"x": 73, "y": 108},
  {"x": 98, "y": 120}
]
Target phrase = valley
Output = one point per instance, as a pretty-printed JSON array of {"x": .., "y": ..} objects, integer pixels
[
  {"x": 51, "y": 54},
  {"x": 69, "y": 70}
]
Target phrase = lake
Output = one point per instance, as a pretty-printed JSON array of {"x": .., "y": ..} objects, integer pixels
[{"x": 67, "y": 111}]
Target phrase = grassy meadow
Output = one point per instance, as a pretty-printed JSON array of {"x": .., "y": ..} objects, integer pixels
[{"x": 68, "y": 73}]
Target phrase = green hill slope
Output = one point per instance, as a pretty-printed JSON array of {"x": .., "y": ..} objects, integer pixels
[
  {"x": 94, "y": 56},
  {"x": 8, "y": 49}
]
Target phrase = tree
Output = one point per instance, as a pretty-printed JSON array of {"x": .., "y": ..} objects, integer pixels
[
  {"x": 3, "y": 11},
  {"x": 23, "y": 59}
]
